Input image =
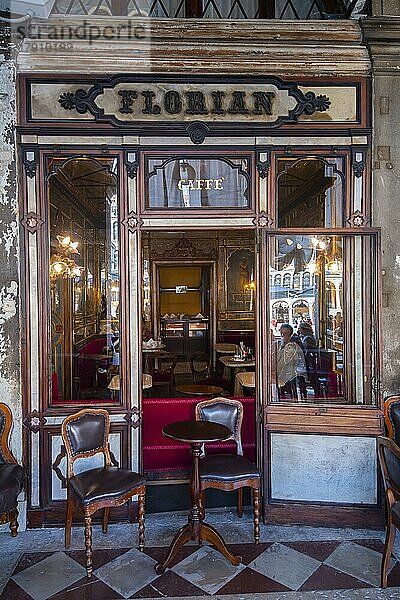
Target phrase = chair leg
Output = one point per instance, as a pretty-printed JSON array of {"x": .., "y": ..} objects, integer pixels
[
  {"x": 88, "y": 544},
  {"x": 387, "y": 553},
  {"x": 68, "y": 519},
  {"x": 14, "y": 522},
  {"x": 142, "y": 498},
  {"x": 256, "y": 503},
  {"x": 202, "y": 505},
  {"x": 105, "y": 519},
  {"x": 240, "y": 502}
]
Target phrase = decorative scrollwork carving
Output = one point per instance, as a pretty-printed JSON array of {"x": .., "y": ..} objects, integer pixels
[
  {"x": 34, "y": 421},
  {"x": 358, "y": 219},
  {"x": 263, "y": 168},
  {"x": 313, "y": 103},
  {"x": 131, "y": 221},
  {"x": 131, "y": 169},
  {"x": 263, "y": 220},
  {"x": 197, "y": 132},
  {"x": 30, "y": 168},
  {"x": 78, "y": 100},
  {"x": 32, "y": 222},
  {"x": 133, "y": 417},
  {"x": 358, "y": 167}
]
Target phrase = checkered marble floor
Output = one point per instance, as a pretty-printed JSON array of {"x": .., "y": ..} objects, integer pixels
[{"x": 201, "y": 571}]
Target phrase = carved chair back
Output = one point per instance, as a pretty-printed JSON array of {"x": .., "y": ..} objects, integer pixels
[
  {"x": 392, "y": 418},
  {"x": 200, "y": 366},
  {"x": 85, "y": 434},
  {"x": 389, "y": 459},
  {"x": 225, "y": 411},
  {"x": 5, "y": 428}
]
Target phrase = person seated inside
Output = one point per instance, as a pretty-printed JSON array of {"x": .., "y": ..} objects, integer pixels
[
  {"x": 290, "y": 363},
  {"x": 306, "y": 335}
]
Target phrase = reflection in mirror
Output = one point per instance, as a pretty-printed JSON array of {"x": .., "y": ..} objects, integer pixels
[
  {"x": 310, "y": 192},
  {"x": 84, "y": 279},
  {"x": 307, "y": 318}
]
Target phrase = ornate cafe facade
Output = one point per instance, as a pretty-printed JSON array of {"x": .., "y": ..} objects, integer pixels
[{"x": 178, "y": 185}]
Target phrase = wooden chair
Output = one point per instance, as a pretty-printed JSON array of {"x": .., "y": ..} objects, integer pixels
[
  {"x": 389, "y": 459},
  {"x": 165, "y": 374},
  {"x": 229, "y": 471},
  {"x": 11, "y": 474},
  {"x": 202, "y": 374},
  {"x": 391, "y": 412},
  {"x": 85, "y": 434}
]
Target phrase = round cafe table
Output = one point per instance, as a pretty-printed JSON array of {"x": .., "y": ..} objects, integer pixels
[
  {"x": 197, "y": 389},
  {"x": 196, "y": 433}
]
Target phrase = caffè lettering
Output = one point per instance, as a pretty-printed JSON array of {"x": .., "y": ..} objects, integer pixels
[
  {"x": 198, "y": 102},
  {"x": 201, "y": 184}
]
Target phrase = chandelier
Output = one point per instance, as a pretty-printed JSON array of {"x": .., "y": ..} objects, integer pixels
[{"x": 61, "y": 265}]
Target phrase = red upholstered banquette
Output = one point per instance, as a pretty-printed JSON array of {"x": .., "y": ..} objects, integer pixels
[{"x": 162, "y": 455}]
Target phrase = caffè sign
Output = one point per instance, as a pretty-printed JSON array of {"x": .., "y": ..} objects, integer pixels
[{"x": 269, "y": 101}]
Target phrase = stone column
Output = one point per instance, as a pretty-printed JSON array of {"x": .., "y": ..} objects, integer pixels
[{"x": 382, "y": 35}]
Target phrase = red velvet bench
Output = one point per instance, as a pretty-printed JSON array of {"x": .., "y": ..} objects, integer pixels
[{"x": 163, "y": 456}]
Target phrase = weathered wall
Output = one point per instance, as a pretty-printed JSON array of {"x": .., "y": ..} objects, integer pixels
[
  {"x": 10, "y": 380},
  {"x": 383, "y": 37},
  {"x": 385, "y": 7}
]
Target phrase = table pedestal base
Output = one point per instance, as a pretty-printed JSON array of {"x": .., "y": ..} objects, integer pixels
[{"x": 204, "y": 533}]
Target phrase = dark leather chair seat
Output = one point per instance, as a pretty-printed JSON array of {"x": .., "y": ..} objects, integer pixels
[
  {"x": 86, "y": 434},
  {"x": 224, "y": 471},
  {"x": 11, "y": 480},
  {"x": 226, "y": 467},
  {"x": 104, "y": 483}
]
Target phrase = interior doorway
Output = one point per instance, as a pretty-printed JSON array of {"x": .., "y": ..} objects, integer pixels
[{"x": 198, "y": 335}]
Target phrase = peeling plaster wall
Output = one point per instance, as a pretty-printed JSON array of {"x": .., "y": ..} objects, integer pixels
[
  {"x": 382, "y": 34},
  {"x": 386, "y": 207},
  {"x": 10, "y": 350}
]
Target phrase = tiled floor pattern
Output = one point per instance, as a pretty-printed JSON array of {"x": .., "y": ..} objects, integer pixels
[{"x": 200, "y": 571}]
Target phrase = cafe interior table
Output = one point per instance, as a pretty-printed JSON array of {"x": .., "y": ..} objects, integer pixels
[
  {"x": 237, "y": 365},
  {"x": 198, "y": 389},
  {"x": 196, "y": 433},
  {"x": 244, "y": 379},
  {"x": 115, "y": 383}
]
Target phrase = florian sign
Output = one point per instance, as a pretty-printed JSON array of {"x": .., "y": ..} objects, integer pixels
[
  {"x": 196, "y": 102},
  {"x": 119, "y": 100},
  {"x": 198, "y": 106}
]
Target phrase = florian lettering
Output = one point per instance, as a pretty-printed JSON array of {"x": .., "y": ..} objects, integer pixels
[
  {"x": 238, "y": 104},
  {"x": 263, "y": 101},
  {"x": 217, "y": 102},
  {"x": 201, "y": 184},
  {"x": 149, "y": 108},
  {"x": 196, "y": 103},
  {"x": 173, "y": 102},
  {"x": 127, "y": 98}
]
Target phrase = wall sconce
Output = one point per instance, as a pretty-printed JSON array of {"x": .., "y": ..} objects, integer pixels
[{"x": 60, "y": 264}]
